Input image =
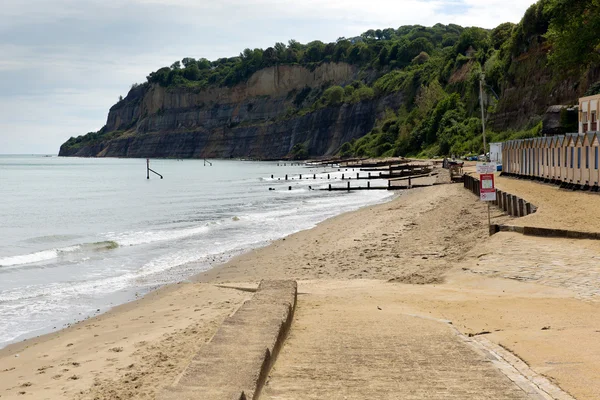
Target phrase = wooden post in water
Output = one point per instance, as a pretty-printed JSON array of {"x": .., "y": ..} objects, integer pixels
[
  {"x": 368, "y": 184},
  {"x": 286, "y": 177},
  {"x": 330, "y": 187},
  {"x": 147, "y": 168},
  {"x": 357, "y": 175},
  {"x": 342, "y": 176},
  {"x": 300, "y": 176},
  {"x": 348, "y": 186}
]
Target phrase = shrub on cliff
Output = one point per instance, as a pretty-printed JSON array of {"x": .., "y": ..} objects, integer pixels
[{"x": 333, "y": 96}]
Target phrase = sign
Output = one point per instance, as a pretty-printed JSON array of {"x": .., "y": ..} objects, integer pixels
[
  {"x": 486, "y": 167},
  {"x": 487, "y": 189}
]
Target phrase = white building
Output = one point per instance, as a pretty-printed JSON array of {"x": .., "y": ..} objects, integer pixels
[{"x": 496, "y": 152}]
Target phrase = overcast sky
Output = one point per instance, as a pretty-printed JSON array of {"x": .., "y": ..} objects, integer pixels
[{"x": 63, "y": 63}]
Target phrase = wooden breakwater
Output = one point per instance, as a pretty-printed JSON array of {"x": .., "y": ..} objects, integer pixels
[
  {"x": 509, "y": 203},
  {"x": 390, "y": 186}
]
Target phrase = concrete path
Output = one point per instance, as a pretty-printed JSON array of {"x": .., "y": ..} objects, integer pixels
[
  {"x": 563, "y": 263},
  {"x": 361, "y": 347},
  {"x": 235, "y": 363}
]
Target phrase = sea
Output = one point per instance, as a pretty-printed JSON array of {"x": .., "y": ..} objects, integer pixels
[{"x": 81, "y": 235}]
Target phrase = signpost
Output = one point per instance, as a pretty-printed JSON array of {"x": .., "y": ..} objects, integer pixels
[
  {"x": 486, "y": 167},
  {"x": 487, "y": 187}
]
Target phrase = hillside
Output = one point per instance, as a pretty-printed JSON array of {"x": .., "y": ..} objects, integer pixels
[{"x": 407, "y": 91}]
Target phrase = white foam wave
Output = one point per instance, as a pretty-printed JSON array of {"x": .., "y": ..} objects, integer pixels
[
  {"x": 40, "y": 256},
  {"x": 145, "y": 237}
]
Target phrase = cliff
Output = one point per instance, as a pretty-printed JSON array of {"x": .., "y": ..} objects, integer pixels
[
  {"x": 251, "y": 120},
  {"x": 533, "y": 86}
]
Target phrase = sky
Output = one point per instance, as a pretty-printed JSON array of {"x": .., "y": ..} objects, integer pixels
[{"x": 64, "y": 63}]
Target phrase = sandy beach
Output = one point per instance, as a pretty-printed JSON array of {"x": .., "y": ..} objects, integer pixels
[{"x": 426, "y": 253}]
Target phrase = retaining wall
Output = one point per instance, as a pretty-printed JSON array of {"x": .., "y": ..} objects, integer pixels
[{"x": 235, "y": 364}]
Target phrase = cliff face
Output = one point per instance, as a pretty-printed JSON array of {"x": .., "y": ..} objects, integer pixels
[
  {"x": 533, "y": 87},
  {"x": 248, "y": 120}
]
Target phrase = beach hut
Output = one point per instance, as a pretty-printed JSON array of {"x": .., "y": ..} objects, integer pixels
[
  {"x": 547, "y": 157},
  {"x": 530, "y": 157},
  {"x": 535, "y": 161},
  {"x": 595, "y": 160},
  {"x": 579, "y": 165},
  {"x": 544, "y": 158},
  {"x": 512, "y": 157},
  {"x": 520, "y": 152},
  {"x": 563, "y": 153},
  {"x": 538, "y": 158},
  {"x": 589, "y": 174},
  {"x": 570, "y": 156},
  {"x": 554, "y": 167},
  {"x": 505, "y": 158}
]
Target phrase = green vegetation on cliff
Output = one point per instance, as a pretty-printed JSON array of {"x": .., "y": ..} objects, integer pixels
[{"x": 551, "y": 54}]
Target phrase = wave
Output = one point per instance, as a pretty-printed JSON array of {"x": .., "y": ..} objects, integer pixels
[
  {"x": 48, "y": 255},
  {"x": 145, "y": 237}
]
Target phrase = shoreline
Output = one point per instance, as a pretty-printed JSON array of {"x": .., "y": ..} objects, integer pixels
[
  {"x": 426, "y": 253},
  {"x": 68, "y": 324}
]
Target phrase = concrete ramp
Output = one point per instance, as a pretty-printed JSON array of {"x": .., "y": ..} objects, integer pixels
[{"x": 234, "y": 365}]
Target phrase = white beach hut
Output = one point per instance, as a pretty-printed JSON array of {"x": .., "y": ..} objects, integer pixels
[
  {"x": 579, "y": 165},
  {"x": 520, "y": 150},
  {"x": 589, "y": 175},
  {"x": 570, "y": 143},
  {"x": 535, "y": 160},
  {"x": 513, "y": 157},
  {"x": 505, "y": 158},
  {"x": 530, "y": 157},
  {"x": 563, "y": 158},
  {"x": 554, "y": 169},
  {"x": 547, "y": 157}
]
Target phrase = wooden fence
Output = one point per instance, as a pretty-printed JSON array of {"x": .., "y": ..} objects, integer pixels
[{"x": 509, "y": 203}]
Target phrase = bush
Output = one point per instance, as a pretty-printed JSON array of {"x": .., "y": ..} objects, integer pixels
[{"x": 333, "y": 96}]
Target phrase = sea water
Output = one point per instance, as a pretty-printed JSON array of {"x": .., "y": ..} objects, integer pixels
[{"x": 78, "y": 236}]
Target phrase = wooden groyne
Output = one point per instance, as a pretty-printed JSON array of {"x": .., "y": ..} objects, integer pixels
[{"x": 509, "y": 203}]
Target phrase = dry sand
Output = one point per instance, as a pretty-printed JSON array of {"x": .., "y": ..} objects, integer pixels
[{"x": 427, "y": 253}]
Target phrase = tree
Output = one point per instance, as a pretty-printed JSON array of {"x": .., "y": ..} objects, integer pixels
[
  {"x": 269, "y": 57},
  {"x": 501, "y": 34},
  {"x": 573, "y": 33},
  {"x": 477, "y": 38},
  {"x": 314, "y": 52},
  {"x": 188, "y": 61},
  {"x": 383, "y": 56},
  {"x": 192, "y": 72},
  {"x": 203, "y": 64},
  {"x": 280, "y": 49},
  {"x": 333, "y": 95}
]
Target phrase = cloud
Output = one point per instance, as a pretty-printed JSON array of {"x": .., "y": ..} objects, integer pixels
[{"x": 65, "y": 62}]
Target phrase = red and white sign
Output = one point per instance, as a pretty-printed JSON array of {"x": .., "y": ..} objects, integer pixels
[{"x": 487, "y": 189}]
